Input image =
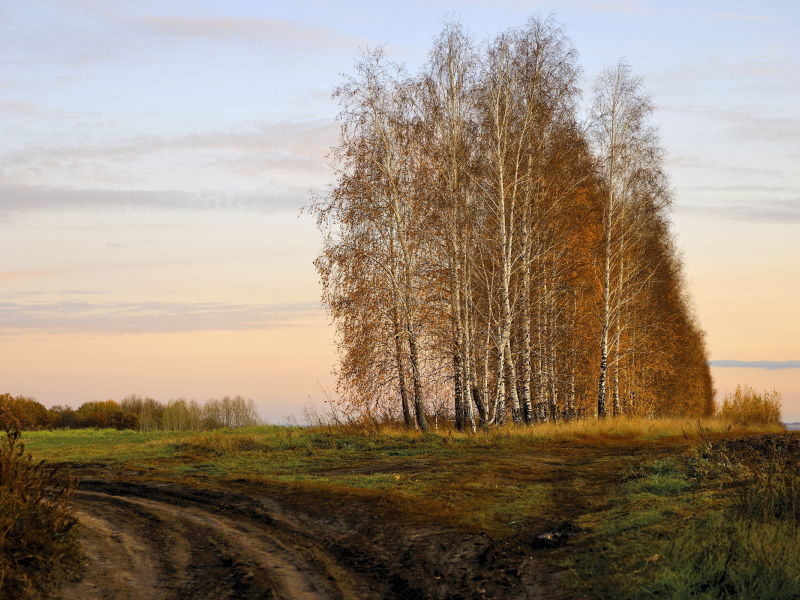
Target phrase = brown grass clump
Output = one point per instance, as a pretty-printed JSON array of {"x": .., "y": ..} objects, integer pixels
[
  {"x": 219, "y": 444},
  {"x": 586, "y": 429},
  {"x": 37, "y": 544},
  {"x": 747, "y": 407}
]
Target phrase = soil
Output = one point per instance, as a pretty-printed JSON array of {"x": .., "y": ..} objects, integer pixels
[
  {"x": 145, "y": 540},
  {"x": 765, "y": 446}
]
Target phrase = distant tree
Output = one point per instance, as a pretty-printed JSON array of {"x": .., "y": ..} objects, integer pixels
[
  {"x": 133, "y": 412},
  {"x": 230, "y": 412},
  {"x": 23, "y": 414},
  {"x": 107, "y": 414}
]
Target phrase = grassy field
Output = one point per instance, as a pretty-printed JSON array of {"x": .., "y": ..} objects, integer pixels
[{"x": 632, "y": 496}]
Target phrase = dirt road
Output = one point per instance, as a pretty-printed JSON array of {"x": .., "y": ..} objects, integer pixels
[{"x": 159, "y": 541}]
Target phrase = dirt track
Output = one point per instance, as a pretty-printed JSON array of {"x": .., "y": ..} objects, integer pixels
[{"x": 158, "y": 541}]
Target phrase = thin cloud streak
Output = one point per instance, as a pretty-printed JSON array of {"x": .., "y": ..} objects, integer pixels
[
  {"x": 289, "y": 146},
  {"x": 728, "y": 16},
  {"x": 777, "y": 73},
  {"x": 764, "y": 189},
  {"x": 787, "y": 212},
  {"x": 757, "y": 364},
  {"x": 626, "y": 7},
  {"x": 728, "y": 170},
  {"x": 20, "y": 198},
  {"x": 747, "y": 123},
  {"x": 18, "y": 107},
  {"x": 150, "y": 317},
  {"x": 252, "y": 30},
  {"x": 23, "y": 275},
  {"x": 71, "y": 37}
]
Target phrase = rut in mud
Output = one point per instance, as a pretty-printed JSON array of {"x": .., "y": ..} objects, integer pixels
[{"x": 158, "y": 541}]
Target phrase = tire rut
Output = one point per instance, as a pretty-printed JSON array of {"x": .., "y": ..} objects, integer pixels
[
  {"x": 140, "y": 548},
  {"x": 158, "y": 541}
]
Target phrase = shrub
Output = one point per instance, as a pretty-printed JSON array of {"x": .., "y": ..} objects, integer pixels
[
  {"x": 37, "y": 543},
  {"x": 102, "y": 415},
  {"x": 23, "y": 414},
  {"x": 65, "y": 417},
  {"x": 746, "y": 407},
  {"x": 133, "y": 412},
  {"x": 230, "y": 412}
]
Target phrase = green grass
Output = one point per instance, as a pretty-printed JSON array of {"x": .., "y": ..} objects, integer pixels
[
  {"x": 695, "y": 525},
  {"x": 639, "y": 500},
  {"x": 483, "y": 480}
]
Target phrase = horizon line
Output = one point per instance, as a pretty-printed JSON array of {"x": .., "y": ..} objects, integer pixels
[{"x": 757, "y": 364}]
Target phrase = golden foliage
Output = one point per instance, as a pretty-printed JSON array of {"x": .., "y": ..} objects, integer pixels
[
  {"x": 487, "y": 256},
  {"x": 745, "y": 406},
  {"x": 36, "y": 528}
]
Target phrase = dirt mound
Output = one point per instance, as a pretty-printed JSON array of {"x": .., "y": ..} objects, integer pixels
[{"x": 765, "y": 446}]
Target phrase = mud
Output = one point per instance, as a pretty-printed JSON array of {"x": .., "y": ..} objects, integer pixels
[
  {"x": 766, "y": 446},
  {"x": 165, "y": 541}
]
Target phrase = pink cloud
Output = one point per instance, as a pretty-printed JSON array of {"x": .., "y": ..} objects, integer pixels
[{"x": 23, "y": 275}]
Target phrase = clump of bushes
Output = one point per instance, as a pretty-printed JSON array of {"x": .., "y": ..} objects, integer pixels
[
  {"x": 745, "y": 406},
  {"x": 134, "y": 412},
  {"x": 99, "y": 415},
  {"x": 190, "y": 415},
  {"x": 24, "y": 414},
  {"x": 37, "y": 541}
]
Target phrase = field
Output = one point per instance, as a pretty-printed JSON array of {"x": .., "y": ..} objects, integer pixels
[{"x": 579, "y": 510}]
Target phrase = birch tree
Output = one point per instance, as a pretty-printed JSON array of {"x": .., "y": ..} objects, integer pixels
[
  {"x": 370, "y": 218},
  {"x": 480, "y": 241},
  {"x": 446, "y": 109},
  {"x": 635, "y": 192}
]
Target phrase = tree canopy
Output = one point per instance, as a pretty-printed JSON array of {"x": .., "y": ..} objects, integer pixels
[{"x": 489, "y": 256}]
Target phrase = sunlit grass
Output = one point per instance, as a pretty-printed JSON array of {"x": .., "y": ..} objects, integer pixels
[
  {"x": 487, "y": 479},
  {"x": 625, "y": 483},
  {"x": 718, "y": 521}
]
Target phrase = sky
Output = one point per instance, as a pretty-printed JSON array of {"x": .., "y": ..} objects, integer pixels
[{"x": 154, "y": 158}]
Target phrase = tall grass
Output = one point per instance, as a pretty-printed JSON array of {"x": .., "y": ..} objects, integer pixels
[
  {"x": 727, "y": 556},
  {"x": 723, "y": 521},
  {"x": 585, "y": 428},
  {"x": 37, "y": 543},
  {"x": 751, "y": 548},
  {"x": 745, "y": 406}
]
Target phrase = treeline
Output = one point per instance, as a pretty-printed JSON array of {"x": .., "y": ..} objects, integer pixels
[
  {"x": 491, "y": 256},
  {"x": 134, "y": 412}
]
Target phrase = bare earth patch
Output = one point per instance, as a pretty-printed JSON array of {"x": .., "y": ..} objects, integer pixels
[{"x": 159, "y": 541}]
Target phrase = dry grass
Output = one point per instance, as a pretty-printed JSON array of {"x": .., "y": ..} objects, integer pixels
[
  {"x": 620, "y": 480},
  {"x": 36, "y": 530},
  {"x": 485, "y": 480},
  {"x": 745, "y": 406},
  {"x": 614, "y": 427},
  {"x": 721, "y": 520}
]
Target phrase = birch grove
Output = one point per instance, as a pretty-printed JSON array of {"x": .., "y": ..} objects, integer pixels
[{"x": 489, "y": 257}]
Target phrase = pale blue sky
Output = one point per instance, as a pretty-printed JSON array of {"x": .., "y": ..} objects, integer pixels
[{"x": 154, "y": 155}]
